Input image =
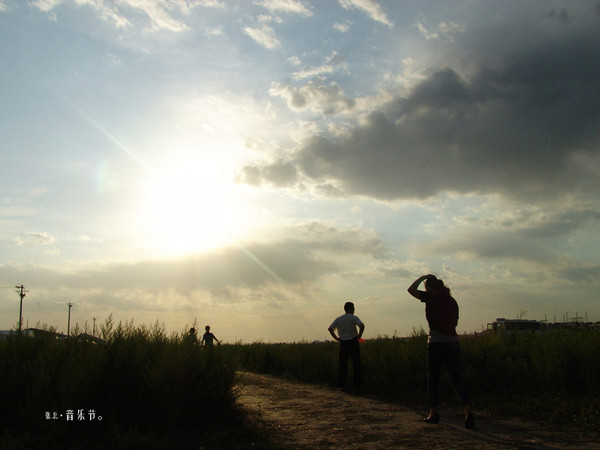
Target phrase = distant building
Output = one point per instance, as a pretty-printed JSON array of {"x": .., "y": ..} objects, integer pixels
[
  {"x": 37, "y": 332},
  {"x": 502, "y": 325},
  {"x": 515, "y": 326}
]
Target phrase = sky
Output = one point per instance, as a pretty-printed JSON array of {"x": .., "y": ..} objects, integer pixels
[{"x": 253, "y": 165}]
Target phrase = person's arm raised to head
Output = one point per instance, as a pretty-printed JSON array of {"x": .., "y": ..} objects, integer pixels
[{"x": 413, "y": 288}]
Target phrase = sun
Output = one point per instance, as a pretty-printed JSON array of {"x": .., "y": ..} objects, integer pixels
[{"x": 191, "y": 207}]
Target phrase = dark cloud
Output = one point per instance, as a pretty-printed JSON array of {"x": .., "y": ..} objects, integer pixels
[
  {"x": 580, "y": 273},
  {"x": 530, "y": 237},
  {"x": 252, "y": 266},
  {"x": 493, "y": 246},
  {"x": 280, "y": 174},
  {"x": 561, "y": 224},
  {"x": 520, "y": 125},
  {"x": 561, "y": 16}
]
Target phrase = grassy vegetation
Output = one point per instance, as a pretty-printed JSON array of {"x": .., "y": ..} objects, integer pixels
[
  {"x": 552, "y": 375},
  {"x": 155, "y": 390},
  {"x": 146, "y": 389},
  {"x": 549, "y": 376}
]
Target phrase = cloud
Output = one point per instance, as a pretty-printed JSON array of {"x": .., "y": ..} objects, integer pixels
[
  {"x": 106, "y": 10},
  {"x": 46, "y": 5},
  {"x": 264, "y": 36},
  {"x": 286, "y": 6},
  {"x": 208, "y": 3},
  {"x": 443, "y": 33},
  {"x": 296, "y": 261},
  {"x": 214, "y": 31},
  {"x": 40, "y": 238},
  {"x": 499, "y": 244},
  {"x": 370, "y": 7},
  {"x": 316, "y": 96},
  {"x": 314, "y": 71},
  {"x": 159, "y": 13},
  {"x": 334, "y": 62},
  {"x": 525, "y": 243},
  {"x": 580, "y": 273},
  {"x": 561, "y": 16},
  {"x": 280, "y": 174},
  {"x": 342, "y": 27},
  {"x": 524, "y": 125}
]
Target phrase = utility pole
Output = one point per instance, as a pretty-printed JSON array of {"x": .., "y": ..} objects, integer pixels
[
  {"x": 22, "y": 292},
  {"x": 94, "y": 329},
  {"x": 69, "y": 321}
]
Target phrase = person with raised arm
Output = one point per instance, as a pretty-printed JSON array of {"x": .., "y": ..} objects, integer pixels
[{"x": 443, "y": 346}]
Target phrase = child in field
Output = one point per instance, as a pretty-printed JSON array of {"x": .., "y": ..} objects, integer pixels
[
  {"x": 348, "y": 338},
  {"x": 191, "y": 337},
  {"x": 208, "y": 337}
]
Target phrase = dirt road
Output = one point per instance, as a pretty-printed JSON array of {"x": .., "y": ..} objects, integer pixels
[{"x": 297, "y": 415}]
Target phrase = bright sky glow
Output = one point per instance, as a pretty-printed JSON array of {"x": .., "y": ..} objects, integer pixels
[
  {"x": 189, "y": 208},
  {"x": 253, "y": 165}
]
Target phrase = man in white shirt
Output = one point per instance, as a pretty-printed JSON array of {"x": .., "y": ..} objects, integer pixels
[{"x": 348, "y": 338}]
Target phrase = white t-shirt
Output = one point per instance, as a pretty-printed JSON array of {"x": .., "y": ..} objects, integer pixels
[{"x": 346, "y": 326}]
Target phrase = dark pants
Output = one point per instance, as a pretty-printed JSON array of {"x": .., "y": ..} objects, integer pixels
[
  {"x": 449, "y": 354},
  {"x": 349, "y": 350}
]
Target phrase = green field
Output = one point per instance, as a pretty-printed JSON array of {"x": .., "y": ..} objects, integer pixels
[{"x": 142, "y": 387}]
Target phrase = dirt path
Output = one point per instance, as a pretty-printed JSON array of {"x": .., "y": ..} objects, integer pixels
[{"x": 297, "y": 415}]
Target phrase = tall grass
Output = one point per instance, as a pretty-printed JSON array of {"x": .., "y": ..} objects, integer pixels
[
  {"x": 552, "y": 375},
  {"x": 310, "y": 362},
  {"x": 148, "y": 388},
  {"x": 155, "y": 390}
]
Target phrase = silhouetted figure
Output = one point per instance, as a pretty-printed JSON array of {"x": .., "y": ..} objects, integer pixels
[
  {"x": 208, "y": 337},
  {"x": 192, "y": 336},
  {"x": 349, "y": 348},
  {"x": 443, "y": 346}
]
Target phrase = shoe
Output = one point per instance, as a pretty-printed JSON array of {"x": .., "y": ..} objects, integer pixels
[
  {"x": 470, "y": 421},
  {"x": 433, "y": 419}
]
